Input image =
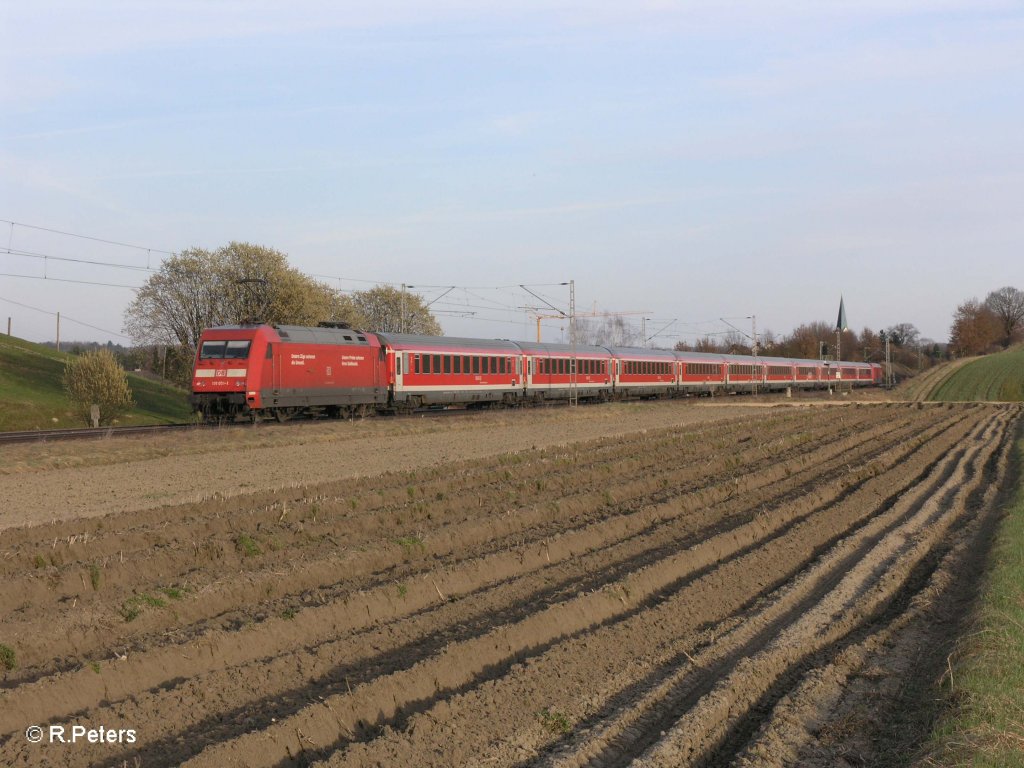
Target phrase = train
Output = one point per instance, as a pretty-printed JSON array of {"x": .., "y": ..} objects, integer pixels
[{"x": 258, "y": 371}]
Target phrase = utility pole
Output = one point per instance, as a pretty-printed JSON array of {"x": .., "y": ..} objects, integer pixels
[
  {"x": 574, "y": 397},
  {"x": 888, "y": 368},
  {"x": 401, "y": 324},
  {"x": 753, "y": 342},
  {"x": 58, "y": 331}
]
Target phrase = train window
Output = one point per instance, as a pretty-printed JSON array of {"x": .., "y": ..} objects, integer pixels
[
  {"x": 476, "y": 364},
  {"x": 572, "y": 366},
  {"x": 426, "y": 363},
  {"x": 447, "y": 363},
  {"x": 212, "y": 349},
  {"x": 493, "y": 364},
  {"x": 416, "y": 363},
  {"x": 457, "y": 364},
  {"x": 501, "y": 365},
  {"x": 437, "y": 363},
  {"x": 270, "y": 351},
  {"x": 237, "y": 349}
]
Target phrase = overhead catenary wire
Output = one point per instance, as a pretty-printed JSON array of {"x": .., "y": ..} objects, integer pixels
[
  {"x": 451, "y": 303},
  {"x": 63, "y": 317},
  {"x": 69, "y": 280},
  {"x": 14, "y": 224}
]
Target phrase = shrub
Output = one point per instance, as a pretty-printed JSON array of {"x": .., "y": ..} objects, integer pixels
[{"x": 96, "y": 378}]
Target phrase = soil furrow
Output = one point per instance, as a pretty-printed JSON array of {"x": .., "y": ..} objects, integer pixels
[
  {"x": 391, "y": 561},
  {"x": 607, "y": 605},
  {"x": 564, "y": 606}
]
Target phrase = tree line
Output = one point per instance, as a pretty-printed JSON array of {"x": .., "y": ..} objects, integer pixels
[
  {"x": 907, "y": 347},
  {"x": 980, "y": 327},
  {"x": 241, "y": 282}
]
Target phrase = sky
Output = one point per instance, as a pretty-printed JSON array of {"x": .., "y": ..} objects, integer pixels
[{"x": 679, "y": 161}]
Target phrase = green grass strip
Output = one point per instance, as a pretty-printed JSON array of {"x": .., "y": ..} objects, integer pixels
[
  {"x": 993, "y": 377},
  {"x": 985, "y": 726}
]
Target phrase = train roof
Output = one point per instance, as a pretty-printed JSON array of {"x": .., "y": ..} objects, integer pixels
[
  {"x": 642, "y": 352},
  {"x": 407, "y": 341},
  {"x": 718, "y": 357},
  {"x": 544, "y": 348},
  {"x": 301, "y": 334}
]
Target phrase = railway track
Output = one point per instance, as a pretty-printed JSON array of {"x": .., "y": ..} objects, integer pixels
[
  {"x": 93, "y": 433},
  {"x": 40, "y": 435}
]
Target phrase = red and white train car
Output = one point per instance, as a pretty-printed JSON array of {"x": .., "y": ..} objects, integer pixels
[
  {"x": 700, "y": 373},
  {"x": 440, "y": 370},
  {"x": 551, "y": 368},
  {"x": 643, "y": 372}
]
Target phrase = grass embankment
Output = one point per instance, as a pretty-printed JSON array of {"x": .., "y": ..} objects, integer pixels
[
  {"x": 986, "y": 723},
  {"x": 32, "y": 396},
  {"x": 992, "y": 377}
]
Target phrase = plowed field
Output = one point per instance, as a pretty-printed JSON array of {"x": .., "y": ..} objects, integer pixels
[{"x": 765, "y": 590}]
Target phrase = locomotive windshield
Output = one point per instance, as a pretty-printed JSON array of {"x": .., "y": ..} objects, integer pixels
[{"x": 217, "y": 350}]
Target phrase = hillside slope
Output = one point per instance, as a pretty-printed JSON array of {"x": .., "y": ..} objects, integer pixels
[
  {"x": 920, "y": 387},
  {"x": 998, "y": 377},
  {"x": 31, "y": 395}
]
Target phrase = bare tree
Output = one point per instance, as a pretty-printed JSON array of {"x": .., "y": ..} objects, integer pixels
[
  {"x": 1008, "y": 305},
  {"x": 903, "y": 334},
  {"x": 608, "y": 331}
]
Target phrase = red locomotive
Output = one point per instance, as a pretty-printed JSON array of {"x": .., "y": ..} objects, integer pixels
[{"x": 280, "y": 371}]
